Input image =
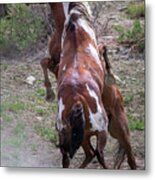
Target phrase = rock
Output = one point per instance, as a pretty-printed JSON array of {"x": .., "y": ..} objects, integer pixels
[
  {"x": 30, "y": 80},
  {"x": 39, "y": 118}
]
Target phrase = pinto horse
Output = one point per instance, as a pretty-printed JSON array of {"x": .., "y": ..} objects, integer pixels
[
  {"x": 54, "y": 48},
  {"x": 111, "y": 96},
  {"x": 81, "y": 113}
]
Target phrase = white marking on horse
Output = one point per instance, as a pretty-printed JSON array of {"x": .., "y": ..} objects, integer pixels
[
  {"x": 59, "y": 118},
  {"x": 87, "y": 7},
  {"x": 74, "y": 11},
  {"x": 96, "y": 119},
  {"x": 67, "y": 17},
  {"x": 85, "y": 26},
  {"x": 64, "y": 68},
  {"x": 91, "y": 50}
]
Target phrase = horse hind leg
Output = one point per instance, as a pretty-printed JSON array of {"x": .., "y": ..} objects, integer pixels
[
  {"x": 65, "y": 159},
  {"x": 125, "y": 142},
  {"x": 89, "y": 152},
  {"x": 123, "y": 137},
  {"x": 45, "y": 66},
  {"x": 101, "y": 142},
  {"x": 119, "y": 157}
]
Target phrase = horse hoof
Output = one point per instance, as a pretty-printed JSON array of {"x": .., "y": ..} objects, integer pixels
[{"x": 50, "y": 97}]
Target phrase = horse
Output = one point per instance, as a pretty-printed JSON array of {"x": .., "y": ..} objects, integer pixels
[
  {"x": 111, "y": 95},
  {"x": 54, "y": 49},
  {"x": 51, "y": 62},
  {"x": 118, "y": 122},
  {"x": 80, "y": 82}
]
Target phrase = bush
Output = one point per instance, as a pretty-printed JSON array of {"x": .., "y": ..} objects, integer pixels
[
  {"x": 19, "y": 28},
  {"x": 136, "y": 10},
  {"x": 133, "y": 36}
]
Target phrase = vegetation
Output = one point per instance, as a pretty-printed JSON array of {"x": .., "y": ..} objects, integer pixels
[
  {"x": 12, "y": 106},
  {"x": 27, "y": 120},
  {"x": 136, "y": 10},
  {"x": 47, "y": 133},
  {"x": 19, "y": 28},
  {"x": 133, "y": 36},
  {"x": 128, "y": 99},
  {"x": 134, "y": 123}
]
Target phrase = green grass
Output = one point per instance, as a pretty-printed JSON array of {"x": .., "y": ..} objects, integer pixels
[
  {"x": 39, "y": 96},
  {"x": 18, "y": 137},
  {"x": 47, "y": 133},
  {"x": 40, "y": 92},
  {"x": 53, "y": 107},
  {"x": 12, "y": 106},
  {"x": 135, "y": 10},
  {"x": 128, "y": 99},
  {"x": 134, "y": 123},
  {"x": 41, "y": 111}
]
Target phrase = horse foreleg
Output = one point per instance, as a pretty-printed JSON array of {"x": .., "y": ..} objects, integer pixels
[
  {"x": 45, "y": 66},
  {"x": 101, "y": 142}
]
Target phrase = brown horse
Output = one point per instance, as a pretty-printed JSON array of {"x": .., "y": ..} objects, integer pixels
[
  {"x": 54, "y": 48},
  {"x": 80, "y": 84},
  {"x": 118, "y": 125},
  {"x": 118, "y": 122}
]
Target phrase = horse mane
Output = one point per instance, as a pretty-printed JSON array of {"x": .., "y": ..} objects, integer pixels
[{"x": 82, "y": 8}]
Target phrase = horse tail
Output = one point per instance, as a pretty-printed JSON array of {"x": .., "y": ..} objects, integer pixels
[{"x": 77, "y": 123}]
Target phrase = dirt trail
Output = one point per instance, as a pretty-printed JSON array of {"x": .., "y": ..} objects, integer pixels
[{"x": 28, "y": 135}]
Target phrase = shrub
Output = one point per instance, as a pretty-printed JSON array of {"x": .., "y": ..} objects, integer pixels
[
  {"x": 136, "y": 10},
  {"x": 19, "y": 28},
  {"x": 133, "y": 36}
]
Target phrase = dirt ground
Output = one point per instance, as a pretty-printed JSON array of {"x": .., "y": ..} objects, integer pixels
[
  {"x": 25, "y": 113},
  {"x": 28, "y": 136}
]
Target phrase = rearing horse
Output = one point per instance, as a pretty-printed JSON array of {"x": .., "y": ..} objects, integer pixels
[
  {"x": 81, "y": 112},
  {"x": 54, "y": 48}
]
